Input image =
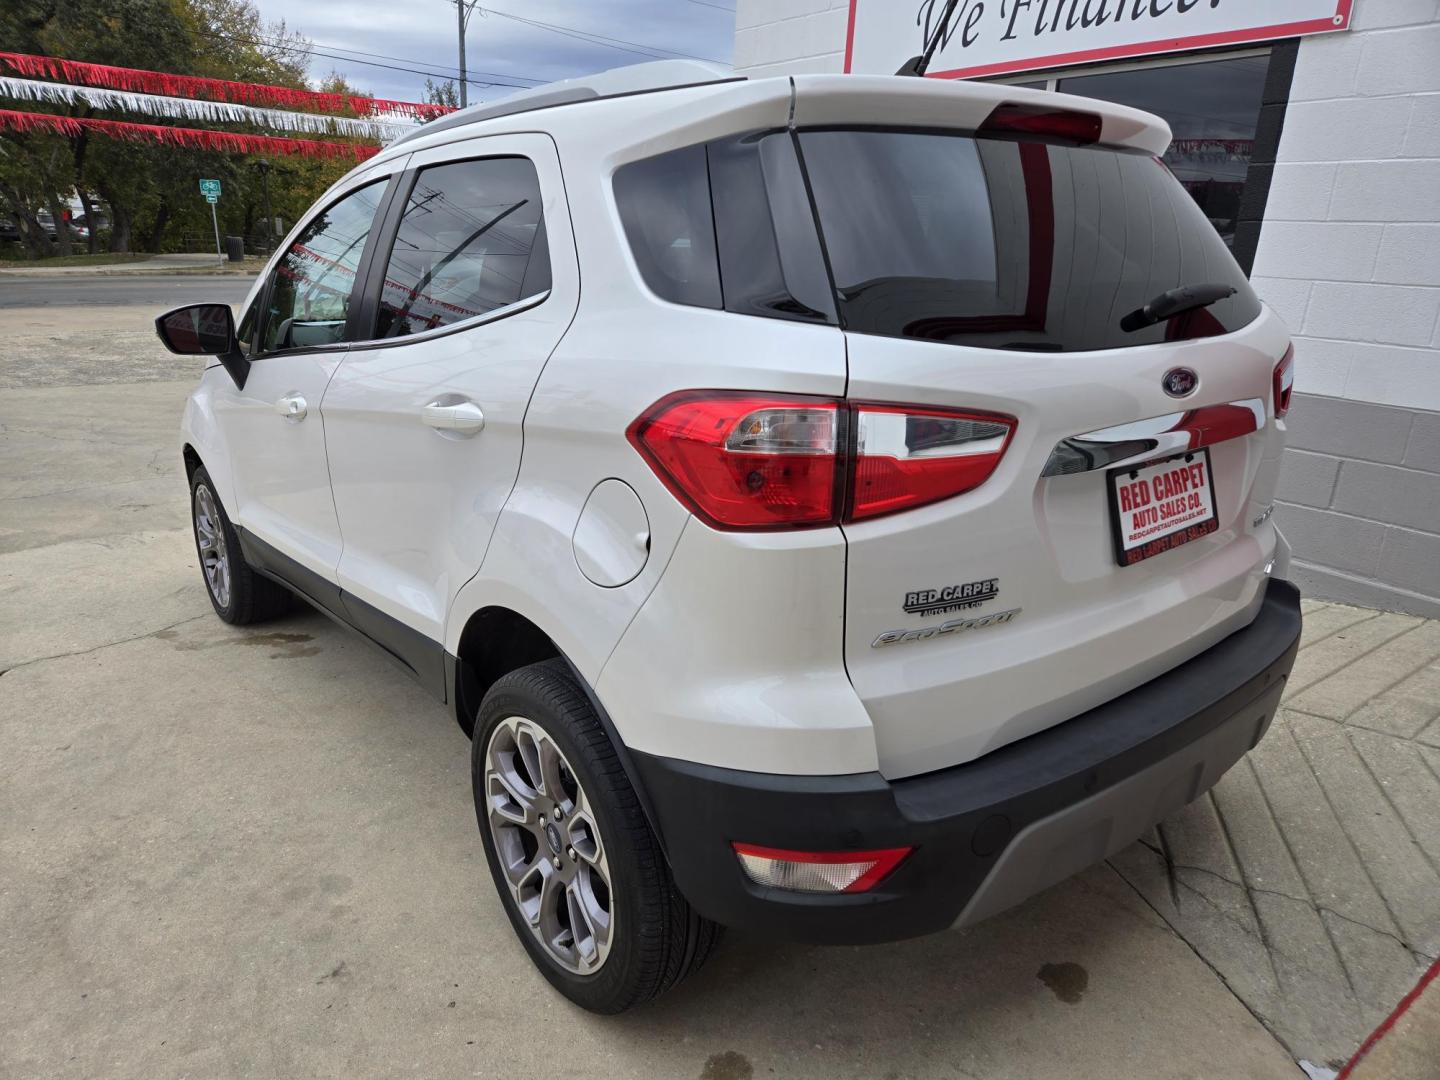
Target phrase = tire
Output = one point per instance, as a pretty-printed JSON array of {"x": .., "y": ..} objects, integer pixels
[
  {"x": 238, "y": 594},
  {"x": 640, "y": 937}
]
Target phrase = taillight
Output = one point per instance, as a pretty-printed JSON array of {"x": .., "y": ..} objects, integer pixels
[
  {"x": 772, "y": 461},
  {"x": 818, "y": 871},
  {"x": 907, "y": 455},
  {"x": 745, "y": 461},
  {"x": 1283, "y": 382},
  {"x": 1080, "y": 127}
]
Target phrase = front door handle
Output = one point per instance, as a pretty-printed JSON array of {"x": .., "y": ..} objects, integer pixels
[
  {"x": 463, "y": 418},
  {"x": 292, "y": 407}
]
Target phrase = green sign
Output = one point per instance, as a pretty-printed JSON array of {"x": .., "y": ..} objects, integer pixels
[{"x": 210, "y": 189}]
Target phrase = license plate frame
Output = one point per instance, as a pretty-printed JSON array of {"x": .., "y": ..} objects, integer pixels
[{"x": 1169, "y": 540}]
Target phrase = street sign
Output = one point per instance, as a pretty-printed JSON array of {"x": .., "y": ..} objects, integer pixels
[{"x": 211, "y": 190}]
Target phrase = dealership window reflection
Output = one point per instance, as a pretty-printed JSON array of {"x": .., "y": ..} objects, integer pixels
[{"x": 1212, "y": 107}]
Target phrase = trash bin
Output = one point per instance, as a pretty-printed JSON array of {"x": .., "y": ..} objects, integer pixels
[{"x": 235, "y": 248}]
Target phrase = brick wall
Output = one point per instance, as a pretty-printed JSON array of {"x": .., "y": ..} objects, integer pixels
[{"x": 1349, "y": 255}]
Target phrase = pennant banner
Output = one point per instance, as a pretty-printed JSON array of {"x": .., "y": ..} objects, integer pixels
[
  {"x": 194, "y": 86},
  {"x": 224, "y": 141},
  {"x": 190, "y": 109}
]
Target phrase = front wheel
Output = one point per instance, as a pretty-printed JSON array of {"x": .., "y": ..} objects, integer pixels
[
  {"x": 238, "y": 594},
  {"x": 578, "y": 869}
]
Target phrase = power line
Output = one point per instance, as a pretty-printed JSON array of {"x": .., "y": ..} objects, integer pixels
[
  {"x": 623, "y": 45},
  {"x": 717, "y": 7},
  {"x": 314, "y": 50}
]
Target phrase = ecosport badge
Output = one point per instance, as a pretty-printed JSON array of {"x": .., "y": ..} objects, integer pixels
[
  {"x": 954, "y": 626},
  {"x": 950, "y": 598}
]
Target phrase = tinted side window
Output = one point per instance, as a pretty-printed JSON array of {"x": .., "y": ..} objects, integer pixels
[
  {"x": 471, "y": 239},
  {"x": 310, "y": 295},
  {"x": 770, "y": 259},
  {"x": 665, "y": 207},
  {"x": 727, "y": 225}
]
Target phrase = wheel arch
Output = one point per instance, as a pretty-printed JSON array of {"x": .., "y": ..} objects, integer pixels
[
  {"x": 192, "y": 461},
  {"x": 497, "y": 640}
]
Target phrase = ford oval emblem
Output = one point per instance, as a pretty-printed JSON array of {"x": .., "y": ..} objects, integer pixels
[{"x": 1180, "y": 381}]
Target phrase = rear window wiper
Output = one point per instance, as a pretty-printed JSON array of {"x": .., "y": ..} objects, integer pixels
[{"x": 1169, "y": 304}]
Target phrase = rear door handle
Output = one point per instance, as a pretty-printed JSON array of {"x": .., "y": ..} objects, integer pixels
[
  {"x": 292, "y": 407},
  {"x": 464, "y": 418}
]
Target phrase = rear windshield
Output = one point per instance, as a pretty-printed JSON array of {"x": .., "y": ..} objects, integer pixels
[{"x": 1012, "y": 244}]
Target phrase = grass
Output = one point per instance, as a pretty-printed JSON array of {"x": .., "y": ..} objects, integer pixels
[{"x": 103, "y": 259}]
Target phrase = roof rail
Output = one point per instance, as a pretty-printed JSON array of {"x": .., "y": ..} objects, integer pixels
[{"x": 616, "y": 82}]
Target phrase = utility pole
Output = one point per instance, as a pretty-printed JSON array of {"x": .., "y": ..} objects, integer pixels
[{"x": 463, "y": 10}]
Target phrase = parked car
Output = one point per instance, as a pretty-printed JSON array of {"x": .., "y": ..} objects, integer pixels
[{"x": 838, "y": 507}]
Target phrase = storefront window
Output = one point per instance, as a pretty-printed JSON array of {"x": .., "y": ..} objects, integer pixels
[{"x": 1212, "y": 108}]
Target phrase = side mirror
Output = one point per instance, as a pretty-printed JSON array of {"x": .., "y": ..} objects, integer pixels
[{"x": 204, "y": 330}]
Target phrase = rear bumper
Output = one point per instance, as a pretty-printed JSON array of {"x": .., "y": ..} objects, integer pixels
[{"x": 989, "y": 833}]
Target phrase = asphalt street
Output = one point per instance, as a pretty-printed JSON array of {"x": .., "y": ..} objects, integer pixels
[
  {"x": 252, "y": 851},
  {"x": 136, "y": 289}
]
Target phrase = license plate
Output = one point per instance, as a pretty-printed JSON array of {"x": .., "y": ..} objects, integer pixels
[{"x": 1161, "y": 506}]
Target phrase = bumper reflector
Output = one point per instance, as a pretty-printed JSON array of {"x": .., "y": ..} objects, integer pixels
[{"x": 818, "y": 871}]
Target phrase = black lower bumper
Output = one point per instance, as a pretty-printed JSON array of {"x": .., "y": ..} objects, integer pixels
[{"x": 989, "y": 833}]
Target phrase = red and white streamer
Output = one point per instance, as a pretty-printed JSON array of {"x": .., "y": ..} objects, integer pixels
[
  {"x": 138, "y": 80},
  {"x": 191, "y": 109},
  {"x": 197, "y": 138}
]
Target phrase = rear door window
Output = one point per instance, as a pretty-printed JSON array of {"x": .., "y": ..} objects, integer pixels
[
  {"x": 471, "y": 239},
  {"x": 1011, "y": 244}
]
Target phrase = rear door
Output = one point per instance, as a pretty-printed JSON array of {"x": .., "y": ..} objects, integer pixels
[
  {"x": 992, "y": 275},
  {"x": 424, "y": 419}
]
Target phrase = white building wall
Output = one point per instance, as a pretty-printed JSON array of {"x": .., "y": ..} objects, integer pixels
[
  {"x": 790, "y": 37},
  {"x": 1350, "y": 256}
]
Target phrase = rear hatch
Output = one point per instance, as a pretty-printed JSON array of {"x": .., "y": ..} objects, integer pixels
[{"x": 992, "y": 273}]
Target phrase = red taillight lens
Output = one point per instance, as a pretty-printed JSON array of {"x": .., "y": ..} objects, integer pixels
[
  {"x": 774, "y": 461},
  {"x": 745, "y": 461},
  {"x": 907, "y": 456},
  {"x": 1080, "y": 127},
  {"x": 1283, "y": 382},
  {"x": 818, "y": 871}
]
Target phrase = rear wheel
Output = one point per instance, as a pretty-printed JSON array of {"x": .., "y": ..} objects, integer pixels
[
  {"x": 580, "y": 872},
  {"x": 238, "y": 594}
]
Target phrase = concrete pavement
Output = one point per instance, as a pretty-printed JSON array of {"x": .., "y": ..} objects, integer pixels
[{"x": 253, "y": 852}]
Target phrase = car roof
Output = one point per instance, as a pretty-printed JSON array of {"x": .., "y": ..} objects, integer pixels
[{"x": 649, "y": 99}]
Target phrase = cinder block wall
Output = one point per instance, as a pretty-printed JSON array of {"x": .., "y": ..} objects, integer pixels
[
  {"x": 790, "y": 37},
  {"x": 1349, "y": 255}
]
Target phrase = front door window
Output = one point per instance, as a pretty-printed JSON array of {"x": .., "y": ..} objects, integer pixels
[{"x": 310, "y": 297}]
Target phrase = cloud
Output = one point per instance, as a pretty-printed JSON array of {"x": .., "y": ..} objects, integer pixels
[{"x": 422, "y": 34}]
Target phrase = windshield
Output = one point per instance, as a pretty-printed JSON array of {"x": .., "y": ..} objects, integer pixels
[{"x": 1012, "y": 244}]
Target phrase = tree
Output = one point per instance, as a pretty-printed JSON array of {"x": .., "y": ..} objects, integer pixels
[
  {"x": 442, "y": 93},
  {"x": 151, "y": 191}
]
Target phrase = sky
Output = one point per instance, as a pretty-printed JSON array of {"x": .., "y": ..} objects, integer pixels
[{"x": 419, "y": 37}]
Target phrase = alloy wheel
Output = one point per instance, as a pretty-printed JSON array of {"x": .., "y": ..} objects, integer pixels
[
  {"x": 549, "y": 846},
  {"x": 210, "y": 539}
]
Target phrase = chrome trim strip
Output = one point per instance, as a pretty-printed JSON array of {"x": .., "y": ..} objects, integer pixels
[{"x": 1141, "y": 440}]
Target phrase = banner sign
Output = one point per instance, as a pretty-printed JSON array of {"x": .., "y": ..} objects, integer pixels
[{"x": 997, "y": 37}]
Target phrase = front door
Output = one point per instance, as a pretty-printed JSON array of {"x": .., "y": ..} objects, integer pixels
[
  {"x": 272, "y": 427},
  {"x": 424, "y": 420}
]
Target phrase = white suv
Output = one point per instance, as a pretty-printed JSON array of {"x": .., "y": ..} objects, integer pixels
[{"x": 837, "y": 506}]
